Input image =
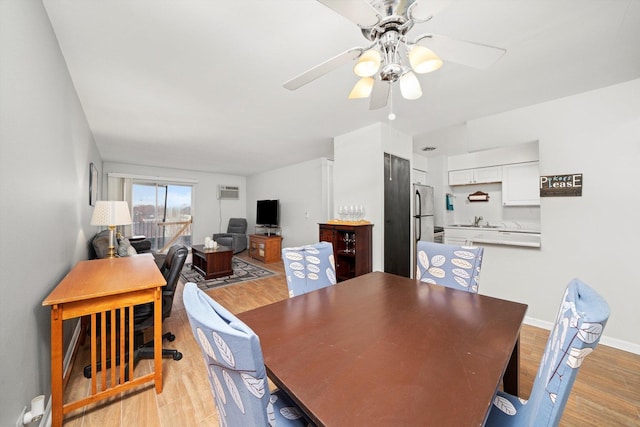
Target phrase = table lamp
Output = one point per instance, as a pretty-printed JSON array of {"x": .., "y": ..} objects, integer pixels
[{"x": 111, "y": 213}]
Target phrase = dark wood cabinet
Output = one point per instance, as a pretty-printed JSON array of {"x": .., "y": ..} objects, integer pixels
[{"x": 351, "y": 248}]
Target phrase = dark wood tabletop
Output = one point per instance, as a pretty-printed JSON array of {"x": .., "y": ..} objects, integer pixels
[{"x": 384, "y": 350}]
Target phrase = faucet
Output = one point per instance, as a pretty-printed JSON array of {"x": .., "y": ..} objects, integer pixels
[{"x": 476, "y": 221}]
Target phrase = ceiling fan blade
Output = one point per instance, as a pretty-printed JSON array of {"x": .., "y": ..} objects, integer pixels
[
  {"x": 461, "y": 52},
  {"x": 359, "y": 12},
  {"x": 423, "y": 10},
  {"x": 322, "y": 69},
  {"x": 379, "y": 94}
]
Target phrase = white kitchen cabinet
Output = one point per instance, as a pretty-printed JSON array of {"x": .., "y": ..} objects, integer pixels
[
  {"x": 418, "y": 176},
  {"x": 521, "y": 184},
  {"x": 459, "y": 241},
  {"x": 459, "y": 236},
  {"x": 475, "y": 176}
]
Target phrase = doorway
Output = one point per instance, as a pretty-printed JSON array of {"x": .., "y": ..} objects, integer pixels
[{"x": 159, "y": 210}]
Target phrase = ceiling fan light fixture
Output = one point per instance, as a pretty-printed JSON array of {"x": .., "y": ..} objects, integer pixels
[
  {"x": 368, "y": 63},
  {"x": 362, "y": 89},
  {"x": 424, "y": 60},
  {"x": 410, "y": 86}
]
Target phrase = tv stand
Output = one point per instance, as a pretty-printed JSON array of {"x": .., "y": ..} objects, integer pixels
[
  {"x": 264, "y": 230},
  {"x": 265, "y": 248}
]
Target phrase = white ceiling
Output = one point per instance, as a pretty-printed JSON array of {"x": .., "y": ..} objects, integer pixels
[{"x": 197, "y": 84}]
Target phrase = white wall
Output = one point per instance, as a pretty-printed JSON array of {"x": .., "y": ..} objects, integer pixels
[
  {"x": 359, "y": 175},
  {"x": 209, "y": 214},
  {"x": 45, "y": 151},
  {"x": 593, "y": 237},
  {"x": 303, "y": 190}
]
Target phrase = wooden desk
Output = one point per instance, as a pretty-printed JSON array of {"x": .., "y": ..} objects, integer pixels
[
  {"x": 382, "y": 349},
  {"x": 108, "y": 287}
]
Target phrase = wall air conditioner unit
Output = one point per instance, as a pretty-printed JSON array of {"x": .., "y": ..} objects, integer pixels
[{"x": 228, "y": 192}]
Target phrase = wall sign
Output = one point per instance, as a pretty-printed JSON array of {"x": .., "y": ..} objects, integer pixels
[{"x": 561, "y": 185}]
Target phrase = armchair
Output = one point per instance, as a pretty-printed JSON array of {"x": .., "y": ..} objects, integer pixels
[{"x": 236, "y": 235}]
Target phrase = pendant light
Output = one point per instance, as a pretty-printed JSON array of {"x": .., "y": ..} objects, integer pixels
[
  {"x": 410, "y": 86},
  {"x": 423, "y": 60},
  {"x": 368, "y": 63},
  {"x": 362, "y": 89}
]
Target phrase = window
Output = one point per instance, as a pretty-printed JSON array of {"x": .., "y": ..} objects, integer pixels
[{"x": 162, "y": 212}]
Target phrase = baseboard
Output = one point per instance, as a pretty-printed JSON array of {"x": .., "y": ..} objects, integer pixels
[
  {"x": 66, "y": 366},
  {"x": 611, "y": 342}
]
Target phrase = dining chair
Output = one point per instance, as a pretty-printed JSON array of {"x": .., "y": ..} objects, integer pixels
[
  {"x": 452, "y": 266},
  {"x": 309, "y": 267},
  {"x": 235, "y": 366},
  {"x": 578, "y": 327}
]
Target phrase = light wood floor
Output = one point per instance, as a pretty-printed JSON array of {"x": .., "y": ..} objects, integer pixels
[{"x": 606, "y": 392}]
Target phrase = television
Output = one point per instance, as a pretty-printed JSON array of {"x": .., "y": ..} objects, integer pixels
[{"x": 267, "y": 213}]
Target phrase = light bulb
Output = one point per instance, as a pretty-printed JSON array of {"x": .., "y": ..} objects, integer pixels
[
  {"x": 392, "y": 116},
  {"x": 362, "y": 89},
  {"x": 410, "y": 86},
  {"x": 368, "y": 63},
  {"x": 423, "y": 60}
]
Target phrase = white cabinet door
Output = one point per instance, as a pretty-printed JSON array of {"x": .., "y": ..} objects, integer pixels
[
  {"x": 475, "y": 176},
  {"x": 485, "y": 175},
  {"x": 456, "y": 241},
  {"x": 520, "y": 184},
  {"x": 418, "y": 176},
  {"x": 461, "y": 177}
]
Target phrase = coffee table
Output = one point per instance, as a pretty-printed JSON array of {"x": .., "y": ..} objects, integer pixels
[{"x": 212, "y": 262}]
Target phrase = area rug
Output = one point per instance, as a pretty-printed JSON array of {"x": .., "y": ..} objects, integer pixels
[{"x": 242, "y": 272}]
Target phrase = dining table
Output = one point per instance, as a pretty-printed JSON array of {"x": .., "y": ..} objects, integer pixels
[{"x": 386, "y": 350}]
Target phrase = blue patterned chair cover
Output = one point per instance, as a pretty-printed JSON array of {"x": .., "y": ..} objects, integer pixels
[
  {"x": 578, "y": 327},
  {"x": 309, "y": 267},
  {"x": 452, "y": 266},
  {"x": 235, "y": 367}
]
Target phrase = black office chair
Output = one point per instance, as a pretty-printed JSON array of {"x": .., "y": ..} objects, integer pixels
[{"x": 143, "y": 314}]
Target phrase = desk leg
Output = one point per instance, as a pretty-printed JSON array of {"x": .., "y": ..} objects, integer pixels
[
  {"x": 157, "y": 339},
  {"x": 510, "y": 380},
  {"x": 56, "y": 366}
]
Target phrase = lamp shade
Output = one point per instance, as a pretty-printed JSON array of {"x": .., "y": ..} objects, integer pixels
[
  {"x": 423, "y": 60},
  {"x": 410, "y": 86},
  {"x": 362, "y": 89},
  {"x": 111, "y": 213},
  {"x": 368, "y": 63}
]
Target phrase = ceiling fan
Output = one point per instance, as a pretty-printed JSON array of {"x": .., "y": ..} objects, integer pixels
[{"x": 391, "y": 57}]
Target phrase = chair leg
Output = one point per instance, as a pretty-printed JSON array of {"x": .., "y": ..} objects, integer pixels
[{"x": 143, "y": 351}]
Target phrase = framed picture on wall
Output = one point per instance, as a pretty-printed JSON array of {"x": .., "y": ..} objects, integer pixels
[{"x": 93, "y": 184}]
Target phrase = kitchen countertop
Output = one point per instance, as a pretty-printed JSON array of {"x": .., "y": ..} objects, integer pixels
[
  {"x": 510, "y": 228},
  {"x": 501, "y": 235},
  {"x": 509, "y": 238}
]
